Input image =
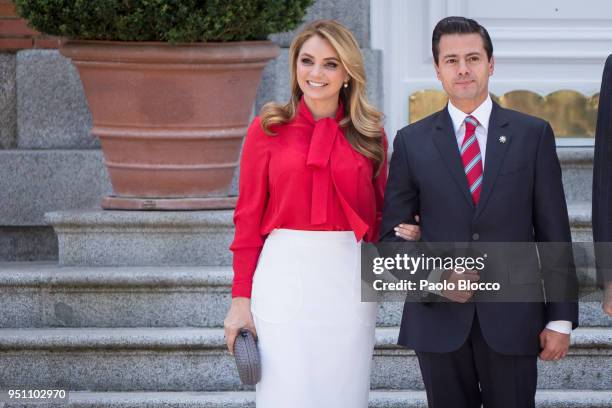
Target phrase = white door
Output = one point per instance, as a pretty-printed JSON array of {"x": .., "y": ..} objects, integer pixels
[{"x": 539, "y": 45}]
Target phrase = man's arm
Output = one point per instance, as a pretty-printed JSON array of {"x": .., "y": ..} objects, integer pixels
[
  {"x": 401, "y": 195},
  {"x": 552, "y": 232},
  {"x": 402, "y": 206},
  {"x": 602, "y": 177}
]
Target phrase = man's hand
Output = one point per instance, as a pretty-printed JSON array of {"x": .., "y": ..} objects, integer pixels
[
  {"x": 460, "y": 296},
  {"x": 554, "y": 345},
  {"x": 607, "y": 300},
  {"x": 409, "y": 232}
]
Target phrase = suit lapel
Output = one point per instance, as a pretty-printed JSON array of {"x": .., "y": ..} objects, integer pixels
[
  {"x": 446, "y": 143},
  {"x": 494, "y": 155}
]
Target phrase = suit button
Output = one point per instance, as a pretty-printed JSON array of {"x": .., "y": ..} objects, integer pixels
[{"x": 475, "y": 236}]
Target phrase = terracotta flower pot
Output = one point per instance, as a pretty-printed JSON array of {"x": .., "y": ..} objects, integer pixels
[{"x": 170, "y": 118}]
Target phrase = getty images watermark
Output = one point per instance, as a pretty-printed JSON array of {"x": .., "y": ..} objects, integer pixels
[
  {"x": 494, "y": 272},
  {"x": 411, "y": 264}
]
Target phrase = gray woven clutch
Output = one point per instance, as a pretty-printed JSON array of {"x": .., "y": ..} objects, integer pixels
[{"x": 247, "y": 358}]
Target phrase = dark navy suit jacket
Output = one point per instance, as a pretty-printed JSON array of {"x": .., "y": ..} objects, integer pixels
[
  {"x": 602, "y": 179},
  {"x": 522, "y": 200}
]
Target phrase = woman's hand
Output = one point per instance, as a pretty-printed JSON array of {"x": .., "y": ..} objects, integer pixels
[
  {"x": 409, "y": 232},
  {"x": 239, "y": 316}
]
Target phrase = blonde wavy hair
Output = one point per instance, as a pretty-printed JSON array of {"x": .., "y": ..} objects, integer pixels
[{"x": 362, "y": 123}]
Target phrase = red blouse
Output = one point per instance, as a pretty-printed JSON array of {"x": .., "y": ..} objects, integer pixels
[{"x": 306, "y": 177}]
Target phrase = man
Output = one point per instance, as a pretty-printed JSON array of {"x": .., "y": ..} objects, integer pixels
[
  {"x": 602, "y": 188},
  {"x": 475, "y": 172}
]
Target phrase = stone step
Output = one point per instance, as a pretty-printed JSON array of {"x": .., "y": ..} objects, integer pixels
[
  {"x": 194, "y": 359},
  {"x": 246, "y": 399},
  {"x": 38, "y": 294},
  {"x": 580, "y": 221},
  {"x": 587, "y": 366},
  {"x": 143, "y": 238}
]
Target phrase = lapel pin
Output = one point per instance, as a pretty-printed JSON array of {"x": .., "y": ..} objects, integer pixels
[{"x": 503, "y": 139}]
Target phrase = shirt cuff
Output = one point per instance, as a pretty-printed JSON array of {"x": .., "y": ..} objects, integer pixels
[{"x": 560, "y": 326}]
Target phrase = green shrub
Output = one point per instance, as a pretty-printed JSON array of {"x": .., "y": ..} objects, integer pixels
[{"x": 163, "y": 20}]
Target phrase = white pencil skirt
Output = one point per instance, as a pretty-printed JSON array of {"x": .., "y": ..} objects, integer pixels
[{"x": 316, "y": 337}]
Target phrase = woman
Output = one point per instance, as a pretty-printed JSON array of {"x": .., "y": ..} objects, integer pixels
[{"x": 312, "y": 178}]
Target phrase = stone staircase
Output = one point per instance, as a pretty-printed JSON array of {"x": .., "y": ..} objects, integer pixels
[{"x": 151, "y": 336}]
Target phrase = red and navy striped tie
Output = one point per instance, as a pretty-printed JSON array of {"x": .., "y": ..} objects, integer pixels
[{"x": 471, "y": 158}]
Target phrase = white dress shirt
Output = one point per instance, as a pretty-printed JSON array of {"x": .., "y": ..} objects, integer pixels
[{"x": 482, "y": 114}]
